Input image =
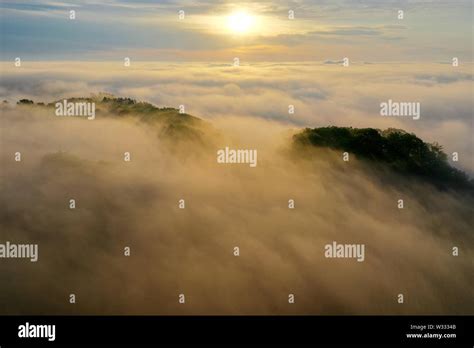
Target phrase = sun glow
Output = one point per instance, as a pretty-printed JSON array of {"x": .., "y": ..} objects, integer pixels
[{"x": 240, "y": 22}]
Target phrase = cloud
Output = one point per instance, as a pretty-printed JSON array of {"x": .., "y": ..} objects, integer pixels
[
  {"x": 338, "y": 62},
  {"x": 190, "y": 250},
  {"x": 323, "y": 94},
  {"x": 443, "y": 78},
  {"x": 151, "y": 30},
  {"x": 357, "y": 31}
]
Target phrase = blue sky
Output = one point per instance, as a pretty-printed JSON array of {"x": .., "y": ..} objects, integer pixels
[{"x": 363, "y": 30}]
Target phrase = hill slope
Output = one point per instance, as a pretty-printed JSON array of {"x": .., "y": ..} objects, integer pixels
[{"x": 402, "y": 152}]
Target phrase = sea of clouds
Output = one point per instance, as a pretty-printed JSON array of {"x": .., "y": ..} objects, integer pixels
[
  {"x": 190, "y": 251},
  {"x": 323, "y": 94}
]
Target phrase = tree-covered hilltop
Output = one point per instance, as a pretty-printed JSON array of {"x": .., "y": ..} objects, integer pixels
[
  {"x": 171, "y": 123},
  {"x": 174, "y": 123},
  {"x": 403, "y": 152}
]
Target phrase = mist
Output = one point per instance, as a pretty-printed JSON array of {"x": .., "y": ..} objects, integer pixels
[{"x": 190, "y": 251}]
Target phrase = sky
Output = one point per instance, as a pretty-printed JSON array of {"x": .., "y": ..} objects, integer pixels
[
  {"x": 190, "y": 62},
  {"x": 283, "y": 61},
  {"x": 362, "y": 30}
]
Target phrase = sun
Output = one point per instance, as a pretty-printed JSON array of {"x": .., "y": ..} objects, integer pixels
[{"x": 240, "y": 22}]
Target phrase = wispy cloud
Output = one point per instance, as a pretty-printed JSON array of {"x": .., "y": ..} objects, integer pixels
[{"x": 42, "y": 29}]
